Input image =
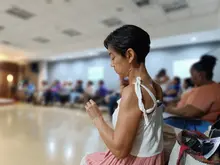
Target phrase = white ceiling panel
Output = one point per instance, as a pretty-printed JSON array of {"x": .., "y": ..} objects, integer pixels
[{"x": 51, "y": 17}]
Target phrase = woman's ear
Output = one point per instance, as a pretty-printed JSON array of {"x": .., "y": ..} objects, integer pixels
[
  {"x": 202, "y": 75},
  {"x": 130, "y": 55}
]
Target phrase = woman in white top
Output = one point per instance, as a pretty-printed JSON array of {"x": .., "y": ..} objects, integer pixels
[
  {"x": 89, "y": 92},
  {"x": 136, "y": 138}
]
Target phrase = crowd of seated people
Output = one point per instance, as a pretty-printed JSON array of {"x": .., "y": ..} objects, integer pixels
[
  {"x": 29, "y": 90},
  {"x": 198, "y": 107},
  {"x": 197, "y": 97},
  {"x": 162, "y": 79},
  {"x": 67, "y": 92},
  {"x": 173, "y": 90}
]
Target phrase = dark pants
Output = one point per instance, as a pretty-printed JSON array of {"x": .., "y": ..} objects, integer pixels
[
  {"x": 113, "y": 103},
  {"x": 64, "y": 99}
]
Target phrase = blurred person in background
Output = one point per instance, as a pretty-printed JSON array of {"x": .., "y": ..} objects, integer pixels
[
  {"x": 55, "y": 91},
  {"x": 163, "y": 79},
  {"x": 187, "y": 85},
  {"x": 136, "y": 137},
  {"x": 43, "y": 91},
  {"x": 77, "y": 92},
  {"x": 101, "y": 92},
  {"x": 65, "y": 92},
  {"x": 29, "y": 89},
  {"x": 202, "y": 102},
  {"x": 112, "y": 101},
  {"x": 173, "y": 90},
  {"x": 89, "y": 92}
]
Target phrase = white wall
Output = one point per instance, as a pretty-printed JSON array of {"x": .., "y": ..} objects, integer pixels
[
  {"x": 165, "y": 58},
  {"x": 157, "y": 59},
  {"x": 78, "y": 69}
]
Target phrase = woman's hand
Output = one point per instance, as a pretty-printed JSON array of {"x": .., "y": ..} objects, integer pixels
[
  {"x": 93, "y": 110},
  {"x": 123, "y": 83}
]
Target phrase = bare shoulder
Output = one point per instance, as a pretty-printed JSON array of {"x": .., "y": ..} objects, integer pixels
[
  {"x": 129, "y": 99},
  {"x": 128, "y": 92}
]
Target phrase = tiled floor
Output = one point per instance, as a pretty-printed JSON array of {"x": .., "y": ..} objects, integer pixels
[{"x": 31, "y": 135}]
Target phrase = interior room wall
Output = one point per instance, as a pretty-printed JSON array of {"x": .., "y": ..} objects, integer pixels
[
  {"x": 7, "y": 68},
  {"x": 157, "y": 59}
]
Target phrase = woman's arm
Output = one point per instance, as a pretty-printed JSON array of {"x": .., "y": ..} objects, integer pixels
[
  {"x": 186, "y": 111},
  {"x": 120, "y": 140},
  {"x": 171, "y": 92}
]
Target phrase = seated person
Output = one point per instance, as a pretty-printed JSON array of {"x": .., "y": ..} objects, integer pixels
[
  {"x": 55, "y": 91},
  {"x": 163, "y": 79},
  {"x": 101, "y": 93},
  {"x": 111, "y": 101},
  {"x": 29, "y": 89},
  {"x": 187, "y": 85},
  {"x": 173, "y": 90},
  {"x": 65, "y": 93},
  {"x": 89, "y": 92},
  {"x": 42, "y": 91},
  {"x": 202, "y": 102},
  {"x": 77, "y": 92}
]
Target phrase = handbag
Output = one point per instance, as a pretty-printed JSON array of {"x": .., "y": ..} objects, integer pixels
[{"x": 202, "y": 148}]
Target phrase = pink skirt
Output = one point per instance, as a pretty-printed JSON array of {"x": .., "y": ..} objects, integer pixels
[{"x": 103, "y": 158}]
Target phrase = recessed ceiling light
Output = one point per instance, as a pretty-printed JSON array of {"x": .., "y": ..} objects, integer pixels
[
  {"x": 119, "y": 9},
  {"x": 92, "y": 53},
  {"x": 193, "y": 39}
]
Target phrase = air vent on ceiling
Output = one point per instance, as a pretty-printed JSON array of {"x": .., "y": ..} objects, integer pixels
[
  {"x": 141, "y": 3},
  {"x": 41, "y": 40},
  {"x": 2, "y": 28},
  {"x": 6, "y": 42},
  {"x": 20, "y": 13},
  {"x": 48, "y": 1},
  {"x": 111, "y": 22},
  {"x": 71, "y": 32},
  {"x": 175, "y": 5}
]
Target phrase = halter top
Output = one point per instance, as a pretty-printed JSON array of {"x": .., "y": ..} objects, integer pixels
[{"x": 149, "y": 138}]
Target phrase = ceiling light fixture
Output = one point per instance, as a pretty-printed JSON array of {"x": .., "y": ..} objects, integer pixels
[{"x": 193, "y": 39}]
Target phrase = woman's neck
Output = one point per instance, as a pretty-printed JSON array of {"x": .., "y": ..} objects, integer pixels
[
  {"x": 139, "y": 71},
  {"x": 206, "y": 82}
]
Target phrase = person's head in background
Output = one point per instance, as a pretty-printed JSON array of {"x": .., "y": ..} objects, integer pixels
[
  {"x": 188, "y": 83},
  {"x": 90, "y": 83},
  {"x": 65, "y": 83},
  {"x": 44, "y": 83},
  {"x": 57, "y": 82},
  {"x": 79, "y": 83},
  {"x": 162, "y": 73},
  {"x": 70, "y": 83},
  {"x": 101, "y": 83},
  {"x": 202, "y": 71},
  {"x": 176, "y": 81},
  {"x": 128, "y": 47}
]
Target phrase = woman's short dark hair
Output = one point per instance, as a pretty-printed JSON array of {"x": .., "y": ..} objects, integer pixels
[
  {"x": 129, "y": 36},
  {"x": 206, "y": 64}
]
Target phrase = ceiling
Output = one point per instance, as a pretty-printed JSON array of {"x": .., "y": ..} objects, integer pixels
[{"x": 40, "y": 29}]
